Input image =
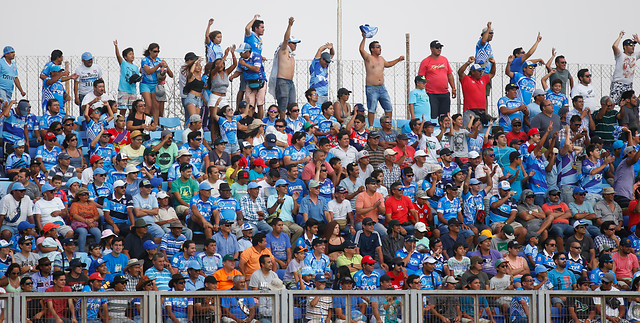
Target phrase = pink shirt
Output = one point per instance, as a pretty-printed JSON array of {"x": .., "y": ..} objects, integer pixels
[
  {"x": 435, "y": 71},
  {"x": 624, "y": 266}
]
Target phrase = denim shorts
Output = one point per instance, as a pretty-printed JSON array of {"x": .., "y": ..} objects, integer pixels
[
  {"x": 149, "y": 88},
  {"x": 375, "y": 94},
  {"x": 232, "y": 148},
  {"x": 193, "y": 99},
  {"x": 4, "y": 96}
]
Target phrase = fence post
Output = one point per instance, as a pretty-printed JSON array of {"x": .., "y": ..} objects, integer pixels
[{"x": 407, "y": 71}]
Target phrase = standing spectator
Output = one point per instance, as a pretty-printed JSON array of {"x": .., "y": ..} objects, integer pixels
[
  {"x": 628, "y": 115},
  {"x": 520, "y": 57},
  {"x": 560, "y": 72},
  {"x": 419, "y": 105},
  {"x": 511, "y": 107},
  {"x": 129, "y": 76},
  {"x": 474, "y": 88},
  {"x": 319, "y": 72},
  {"x": 439, "y": 76},
  {"x": 624, "y": 176},
  {"x": 605, "y": 120},
  {"x": 622, "y": 79},
  {"x": 524, "y": 80},
  {"x": 585, "y": 89},
  {"x": 153, "y": 70},
  {"x": 9, "y": 74},
  {"x": 375, "y": 89},
  {"x": 87, "y": 73}
]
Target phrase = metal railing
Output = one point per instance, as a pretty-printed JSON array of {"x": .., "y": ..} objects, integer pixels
[
  {"x": 286, "y": 303},
  {"x": 600, "y": 298},
  {"x": 353, "y": 78}
]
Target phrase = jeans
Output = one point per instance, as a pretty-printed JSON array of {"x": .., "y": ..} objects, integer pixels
[
  {"x": 153, "y": 229},
  {"x": 375, "y": 94},
  {"x": 124, "y": 228},
  {"x": 285, "y": 93},
  {"x": 440, "y": 104},
  {"x": 593, "y": 230},
  {"x": 82, "y": 236},
  {"x": 260, "y": 226},
  {"x": 593, "y": 198},
  {"x": 232, "y": 148},
  {"x": 381, "y": 229},
  {"x": 561, "y": 230}
]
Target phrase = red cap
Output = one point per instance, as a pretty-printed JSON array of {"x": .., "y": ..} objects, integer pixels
[
  {"x": 259, "y": 162},
  {"x": 96, "y": 276},
  {"x": 532, "y": 132},
  {"x": 368, "y": 260},
  {"x": 532, "y": 147},
  {"x": 49, "y": 226},
  {"x": 243, "y": 162},
  {"x": 94, "y": 159},
  {"x": 50, "y": 135}
]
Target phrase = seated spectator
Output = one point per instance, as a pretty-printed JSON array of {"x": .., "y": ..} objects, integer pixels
[
  {"x": 517, "y": 265},
  {"x": 580, "y": 210},
  {"x": 370, "y": 204},
  {"x": 519, "y": 308},
  {"x": 585, "y": 242},
  {"x": 250, "y": 258},
  {"x": 561, "y": 278},
  {"x": 172, "y": 241},
  {"x": 236, "y": 309},
  {"x": 447, "y": 308},
  {"x": 118, "y": 209},
  {"x": 399, "y": 206},
  {"x": 575, "y": 263},
  {"x": 452, "y": 237},
  {"x": 63, "y": 258},
  {"x": 429, "y": 278},
  {"x": 159, "y": 272},
  {"x": 490, "y": 255},
  {"x": 136, "y": 239},
  {"x": 370, "y": 243},
  {"x": 60, "y": 308},
  {"x": 133, "y": 273},
  {"x": 15, "y": 208},
  {"x": 625, "y": 263},
  {"x": 293, "y": 272},
  {"x": 393, "y": 241},
  {"x": 545, "y": 257},
  {"x": 180, "y": 261},
  {"x": 503, "y": 209},
  {"x": 366, "y": 278},
  {"x": 615, "y": 310},
  {"x": 85, "y": 217},
  {"x": 581, "y": 308},
  {"x": 561, "y": 215},
  {"x": 609, "y": 210},
  {"x": 145, "y": 206},
  {"x": 50, "y": 209},
  {"x": 178, "y": 308},
  {"x": 358, "y": 306},
  {"x": 500, "y": 240},
  {"x": 608, "y": 237}
]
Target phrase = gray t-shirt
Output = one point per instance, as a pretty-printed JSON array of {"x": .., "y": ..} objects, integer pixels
[
  {"x": 30, "y": 260},
  {"x": 500, "y": 283},
  {"x": 458, "y": 143},
  {"x": 541, "y": 121},
  {"x": 562, "y": 76},
  {"x": 500, "y": 244},
  {"x": 630, "y": 117},
  {"x": 261, "y": 282}
]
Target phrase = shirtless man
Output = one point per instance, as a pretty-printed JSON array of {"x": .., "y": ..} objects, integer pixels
[
  {"x": 375, "y": 64},
  {"x": 285, "y": 89}
]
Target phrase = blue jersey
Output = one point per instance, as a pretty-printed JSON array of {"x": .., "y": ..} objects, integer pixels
[
  {"x": 576, "y": 267},
  {"x": 311, "y": 111},
  {"x": 296, "y": 154},
  {"x": 483, "y": 53},
  {"x": 227, "y": 208},
  {"x": 319, "y": 77},
  {"x": 475, "y": 144},
  {"x": 567, "y": 169},
  {"x": 327, "y": 188},
  {"x": 94, "y": 304},
  {"x": 210, "y": 264},
  {"x": 14, "y": 127},
  {"x": 98, "y": 191},
  {"x": 93, "y": 127},
  {"x": 53, "y": 91},
  {"x": 437, "y": 194},
  {"x": 411, "y": 190},
  {"x": 49, "y": 157},
  {"x": 15, "y": 162},
  {"x": 107, "y": 152},
  {"x": 46, "y": 70},
  {"x": 593, "y": 183},
  {"x": 260, "y": 151},
  {"x": 559, "y": 100},
  {"x": 205, "y": 208},
  {"x": 365, "y": 282},
  {"x": 430, "y": 282},
  {"x": 294, "y": 126},
  {"x": 197, "y": 155},
  {"x": 318, "y": 265},
  {"x": 538, "y": 182},
  {"x": 153, "y": 77},
  {"x": 505, "y": 119},
  {"x": 46, "y": 120},
  {"x": 421, "y": 104},
  {"x": 115, "y": 265},
  {"x": 472, "y": 204},
  {"x": 449, "y": 209},
  {"x": 214, "y": 51},
  {"x": 447, "y": 171},
  {"x": 596, "y": 277},
  {"x": 180, "y": 262},
  {"x": 526, "y": 86},
  {"x": 414, "y": 266},
  {"x": 179, "y": 306},
  {"x": 255, "y": 42},
  {"x": 324, "y": 124},
  {"x": 229, "y": 129},
  {"x": 254, "y": 60},
  {"x": 126, "y": 71},
  {"x": 547, "y": 261},
  {"x": 516, "y": 65},
  {"x": 515, "y": 308},
  {"x": 502, "y": 212},
  {"x": 7, "y": 74}
]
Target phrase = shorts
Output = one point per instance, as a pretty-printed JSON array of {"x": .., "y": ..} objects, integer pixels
[
  {"x": 232, "y": 148},
  {"x": 125, "y": 100},
  {"x": 63, "y": 230},
  {"x": 285, "y": 93},
  {"x": 13, "y": 229},
  {"x": 255, "y": 97},
  {"x": 193, "y": 99},
  {"x": 213, "y": 98},
  {"x": 533, "y": 225},
  {"x": 4, "y": 96},
  {"x": 375, "y": 94},
  {"x": 148, "y": 88}
]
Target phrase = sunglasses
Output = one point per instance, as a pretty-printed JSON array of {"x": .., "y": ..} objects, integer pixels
[
  {"x": 577, "y": 124},
  {"x": 58, "y": 129},
  {"x": 180, "y": 282},
  {"x": 323, "y": 170},
  {"x": 517, "y": 124},
  {"x": 610, "y": 229},
  {"x": 579, "y": 248},
  {"x": 296, "y": 110},
  {"x": 587, "y": 75},
  {"x": 279, "y": 126},
  {"x": 552, "y": 245},
  {"x": 68, "y": 124},
  {"x": 562, "y": 258},
  {"x": 155, "y": 51},
  {"x": 492, "y": 155},
  {"x": 581, "y": 194},
  {"x": 51, "y": 140},
  {"x": 227, "y": 225},
  {"x": 273, "y": 111},
  {"x": 530, "y": 196},
  {"x": 503, "y": 266},
  {"x": 198, "y": 139}
]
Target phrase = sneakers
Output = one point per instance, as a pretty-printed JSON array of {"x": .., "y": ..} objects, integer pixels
[{"x": 369, "y": 31}]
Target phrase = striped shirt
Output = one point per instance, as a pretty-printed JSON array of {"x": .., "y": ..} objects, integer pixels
[
  {"x": 321, "y": 310},
  {"x": 162, "y": 277},
  {"x": 172, "y": 245},
  {"x": 605, "y": 126}
]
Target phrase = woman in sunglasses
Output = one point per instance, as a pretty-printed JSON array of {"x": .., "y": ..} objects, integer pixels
[
  {"x": 35, "y": 311},
  {"x": 13, "y": 278}
]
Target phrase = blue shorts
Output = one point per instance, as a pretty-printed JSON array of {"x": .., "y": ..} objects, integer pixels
[
  {"x": 149, "y": 88},
  {"x": 232, "y": 148},
  {"x": 13, "y": 229},
  {"x": 4, "y": 96},
  {"x": 193, "y": 99},
  {"x": 375, "y": 94}
]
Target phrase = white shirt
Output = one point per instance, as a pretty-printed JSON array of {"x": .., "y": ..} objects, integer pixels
[
  {"x": 494, "y": 180},
  {"x": 90, "y": 96},
  {"x": 346, "y": 157},
  {"x": 280, "y": 136},
  {"x": 45, "y": 208},
  {"x": 420, "y": 172},
  {"x": 587, "y": 93},
  {"x": 625, "y": 68},
  {"x": 339, "y": 210},
  {"x": 364, "y": 174},
  {"x": 9, "y": 208},
  {"x": 86, "y": 77},
  {"x": 87, "y": 176},
  {"x": 609, "y": 311},
  {"x": 431, "y": 146}
]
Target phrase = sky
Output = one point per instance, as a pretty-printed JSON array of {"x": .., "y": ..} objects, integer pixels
[{"x": 584, "y": 33}]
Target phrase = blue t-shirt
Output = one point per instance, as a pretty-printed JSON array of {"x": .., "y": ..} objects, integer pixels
[
  {"x": 319, "y": 77},
  {"x": 559, "y": 100},
  {"x": 229, "y": 129},
  {"x": 414, "y": 266},
  {"x": 449, "y": 209},
  {"x": 13, "y": 127},
  {"x": 324, "y": 123},
  {"x": 15, "y": 162},
  {"x": 567, "y": 170},
  {"x": 197, "y": 155},
  {"x": 279, "y": 245},
  {"x": 365, "y": 282},
  {"x": 53, "y": 91},
  {"x": 179, "y": 306},
  {"x": 562, "y": 280},
  {"x": 214, "y": 51},
  {"x": 297, "y": 186},
  {"x": 108, "y": 152},
  {"x": 505, "y": 119},
  {"x": 46, "y": 119},
  {"x": 475, "y": 144},
  {"x": 311, "y": 111},
  {"x": 49, "y": 157},
  {"x": 115, "y": 265},
  {"x": 260, "y": 151},
  {"x": 430, "y": 282},
  {"x": 255, "y": 42},
  {"x": 254, "y": 60},
  {"x": 126, "y": 70},
  {"x": 7, "y": 74},
  {"x": 227, "y": 208},
  {"x": 296, "y": 154},
  {"x": 421, "y": 104},
  {"x": 526, "y": 86},
  {"x": 483, "y": 53},
  {"x": 516, "y": 65},
  {"x": 437, "y": 194},
  {"x": 153, "y": 77},
  {"x": 516, "y": 186},
  {"x": 448, "y": 171},
  {"x": 596, "y": 277},
  {"x": 502, "y": 212},
  {"x": 538, "y": 182},
  {"x": 593, "y": 183},
  {"x": 472, "y": 204}
]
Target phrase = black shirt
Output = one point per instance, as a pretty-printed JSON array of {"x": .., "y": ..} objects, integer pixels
[{"x": 134, "y": 244}]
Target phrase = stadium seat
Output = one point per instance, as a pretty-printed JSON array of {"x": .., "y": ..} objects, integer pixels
[
  {"x": 207, "y": 136},
  {"x": 156, "y": 135},
  {"x": 402, "y": 125},
  {"x": 169, "y": 122},
  {"x": 280, "y": 273},
  {"x": 3, "y": 187},
  {"x": 177, "y": 137}
]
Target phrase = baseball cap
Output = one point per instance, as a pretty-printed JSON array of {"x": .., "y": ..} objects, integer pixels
[
  {"x": 389, "y": 152},
  {"x": 420, "y": 227},
  {"x": 87, "y": 56},
  {"x": 538, "y": 92},
  {"x": 374, "y": 134},
  {"x": 579, "y": 223},
  {"x": 17, "y": 186},
  {"x": 49, "y": 226},
  {"x": 190, "y": 56},
  {"x": 20, "y": 143},
  {"x": 420, "y": 79},
  {"x": 410, "y": 238},
  {"x": 453, "y": 221},
  {"x": 476, "y": 259},
  {"x": 618, "y": 144},
  {"x": 244, "y": 47},
  {"x": 162, "y": 195},
  {"x": 370, "y": 181},
  {"x": 482, "y": 238},
  {"x": 281, "y": 182},
  {"x": 362, "y": 154},
  {"x": 628, "y": 150},
  {"x": 359, "y": 107},
  {"x": 7, "y": 50},
  {"x": 385, "y": 278},
  {"x": 228, "y": 258},
  {"x": 326, "y": 56},
  {"x": 532, "y": 132},
  {"x": 529, "y": 63},
  {"x": 445, "y": 151},
  {"x": 514, "y": 244},
  {"x": 367, "y": 221},
  {"x": 268, "y": 139},
  {"x": 368, "y": 260},
  {"x": 306, "y": 271},
  {"x": 474, "y": 181},
  {"x": 319, "y": 278},
  {"x": 131, "y": 169},
  {"x": 608, "y": 277},
  {"x": 48, "y": 187},
  {"x": 511, "y": 86},
  {"x": 149, "y": 244},
  {"x": 246, "y": 226},
  {"x": 583, "y": 280},
  {"x": 429, "y": 260},
  {"x": 56, "y": 68},
  {"x": 24, "y": 225},
  {"x": 243, "y": 174},
  {"x": 504, "y": 185},
  {"x": 626, "y": 242},
  {"x": 205, "y": 186},
  {"x": 435, "y": 44},
  {"x": 508, "y": 231},
  {"x": 299, "y": 249},
  {"x": 540, "y": 269},
  {"x": 605, "y": 257},
  {"x": 450, "y": 280},
  {"x": 476, "y": 67},
  {"x": 294, "y": 40},
  {"x": 628, "y": 42},
  {"x": 402, "y": 136},
  {"x": 95, "y": 276},
  {"x": 252, "y": 185},
  {"x": 473, "y": 154},
  {"x": 341, "y": 190},
  {"x": 314, "y": 183}
]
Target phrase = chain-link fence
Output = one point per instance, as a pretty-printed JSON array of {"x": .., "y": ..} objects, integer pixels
[{"x": 353, "y": 78}]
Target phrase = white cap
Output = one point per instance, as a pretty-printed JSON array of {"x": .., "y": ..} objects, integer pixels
[
  {"x": 473, "y": 154},
  {"x": 420, "y": 153},
  {"x": 420, "y": 226},
  {"x": 131, "y": 169},
  {"x": 361, "y": 154},
  {"x": 162, "y": 194},
  {"x": 119, "y": 182},
  {"x": 390, "y": 152}
]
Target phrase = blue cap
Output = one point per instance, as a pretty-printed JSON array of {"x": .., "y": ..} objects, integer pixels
[
  {"x": 205, "y": 186},
  {"x": 529, "y": 63},
  {"x": 73, "y": 180},
  {"x": 476, "y": 67},
  {"x": 56, "y": 68},
  {"x": 320, "y": 278},
  {"x": 46, "y": 187},
  {"x": 253, "y": 185},
  {"x": 156, "y": 181},
  {"x": 100, "y": 261},
  {"x": 618, "y": 144},
  {"x": 579, "y": 223},
  {"x": 194, "y": 264},
  {"x": 456, "y": 171},
  {"x": 24, "y": 225},
  {"x": 149, "y": 244},
  {"x": 540, "y": 269},
  {"x": 86, "y": 56},
  {"x": 99, "y": 171},
  {"x": 281, "y": 182},
  {"x": 243, "y": 48},
  {"x": 17, "y": 186},
  {"x": 474, "y": 181},
  {"x": 247, "y": 226},
  {"x": 579, "y": 189},
  {"x": 19, "y": 143},
  {"x": 7, "y": 50},
  {"x": 307, "y": 271}
]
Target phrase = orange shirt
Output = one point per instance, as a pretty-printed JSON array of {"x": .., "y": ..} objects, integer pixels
[
  {"x": 225, "y": 280},
  {"x": 252, "y": 257},
  {"x": 363, "y": 201}
]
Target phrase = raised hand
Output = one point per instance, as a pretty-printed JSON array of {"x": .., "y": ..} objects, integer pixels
[
  {"x": 510, "y": 59},
  {"x": 491, "y": 60},
  {"x": 471, "y": 59},
  {"x": 256, "y": 16},
  {"x": 539, "y": 37},
  {"x": 291, "y": 20},
  {"x": 210, "y": 21},
  {"x": 553, "y": 51},
  {"x": 401, "y": 58},
  {"x": 115, "y": 43}
]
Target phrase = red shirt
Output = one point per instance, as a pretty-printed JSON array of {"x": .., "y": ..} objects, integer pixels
[
  {"x": 475, "y": 92},
  {"x": 59, "y": 304},
  {"x": 408, "y": 160},
  {"x": 399, "y": 209},
  {"x": 424, "y": 213},
  {"x": 560, "y": 207},
  {"x": 521, "y": 136},
  {"x": 436, "y": 71},
  {"x": 398, "y": 281},
  {"x": 119, "y": 139},
  {"x": 634, "y": 218}
]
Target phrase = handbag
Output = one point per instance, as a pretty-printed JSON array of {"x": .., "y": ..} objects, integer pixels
[
  {"x": 134, "y": 78},
  {"x": 255, "y": 84}
]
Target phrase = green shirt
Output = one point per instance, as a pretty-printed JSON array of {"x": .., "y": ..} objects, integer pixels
[
  {"x": 166, "y": 157},
  {"x": 186, "y": 189}
]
